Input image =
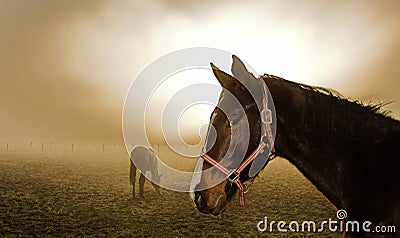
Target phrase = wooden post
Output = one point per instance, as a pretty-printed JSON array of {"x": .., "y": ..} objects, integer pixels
[
  {"x": 7, "y": 146},
  {"x": 72, "y": 147},
  {"x": 42, "y": 147},
  {"x": 31, "y": 143},
  {"x": 103, "y": 147}
]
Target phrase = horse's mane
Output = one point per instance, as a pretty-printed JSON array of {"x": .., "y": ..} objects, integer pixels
[{"x": 319, "y": 92}]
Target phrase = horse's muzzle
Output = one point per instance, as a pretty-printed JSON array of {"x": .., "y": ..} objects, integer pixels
[{"x": 201, "y": 204}]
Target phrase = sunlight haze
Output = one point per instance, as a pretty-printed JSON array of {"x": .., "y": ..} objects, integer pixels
[{"x": 65, "y": 67}]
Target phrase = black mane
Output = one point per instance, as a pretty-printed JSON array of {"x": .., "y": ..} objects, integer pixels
[{"x": 318, "y": 92}]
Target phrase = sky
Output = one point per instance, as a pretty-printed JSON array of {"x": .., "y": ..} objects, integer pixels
[{"x": 66, "y": 66}]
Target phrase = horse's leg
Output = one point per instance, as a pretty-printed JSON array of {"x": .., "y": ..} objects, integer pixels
[
  {"x": 132, "y": 178},
  {"x": 142, "y": 179},
  {"x": 157, "y": 188}
]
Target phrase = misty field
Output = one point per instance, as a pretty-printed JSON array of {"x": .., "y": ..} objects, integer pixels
[{"x": 57, "y": 192}]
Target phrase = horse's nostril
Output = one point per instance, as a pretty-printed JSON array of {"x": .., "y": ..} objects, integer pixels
[
  {"x": 198, "y": 199},
  {"x": 218, "y": 206}
]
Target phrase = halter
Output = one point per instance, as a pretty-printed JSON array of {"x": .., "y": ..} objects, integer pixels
[{"x": 266, "y": 138}]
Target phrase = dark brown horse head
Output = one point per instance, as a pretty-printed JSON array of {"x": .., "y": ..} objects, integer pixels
[{"x": 234, "y": 132}]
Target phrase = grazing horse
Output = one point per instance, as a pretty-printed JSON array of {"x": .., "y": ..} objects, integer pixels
[
  {"x": 349, "y": 151},
  {"x": 148, "y": 162}
]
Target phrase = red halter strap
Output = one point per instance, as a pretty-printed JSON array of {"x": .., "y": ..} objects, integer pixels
[{"x": 266, "y": 138}]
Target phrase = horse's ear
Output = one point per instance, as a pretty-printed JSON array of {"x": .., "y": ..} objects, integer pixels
[
  {"x": 226, "y": 80},
  {"x": 239, "y": 70}
]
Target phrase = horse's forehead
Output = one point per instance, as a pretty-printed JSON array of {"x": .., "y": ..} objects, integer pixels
[
  {"x": 213, "y": 115},
  {"x": 220, "y": 105},
  {"x": 227, "y": 101}
]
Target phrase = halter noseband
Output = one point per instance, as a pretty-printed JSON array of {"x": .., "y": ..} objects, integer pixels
[{"x": 266, "y": 138}]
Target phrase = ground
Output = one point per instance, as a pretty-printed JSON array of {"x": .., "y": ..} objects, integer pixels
[{"x": 87, "y": 193}]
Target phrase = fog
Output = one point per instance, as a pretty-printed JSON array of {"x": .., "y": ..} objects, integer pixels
[{"x": 66, "y": 66}]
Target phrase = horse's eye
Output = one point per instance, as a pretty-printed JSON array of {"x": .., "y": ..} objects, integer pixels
[
  {"x": 233, "y": 122},
  {"x": 234, "y": 119}
]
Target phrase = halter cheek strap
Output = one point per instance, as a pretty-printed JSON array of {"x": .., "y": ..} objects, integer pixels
[{"x": 266, "y": 139}]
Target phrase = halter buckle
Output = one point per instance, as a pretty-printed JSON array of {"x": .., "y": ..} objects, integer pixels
[
  {"x": 266, "y": 116},
  {"x": 233, "y": 176}
]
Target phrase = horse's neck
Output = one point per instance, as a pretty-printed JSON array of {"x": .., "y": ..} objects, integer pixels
[{"x": 330, "y": 142}]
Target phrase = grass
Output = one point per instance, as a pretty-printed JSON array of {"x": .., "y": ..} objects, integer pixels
[{"x": 87, "y": 193}]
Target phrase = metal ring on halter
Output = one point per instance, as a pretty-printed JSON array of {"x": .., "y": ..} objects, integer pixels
[
  {"x": 265, "y": 139},
  {"x": 266, "y": 116},
  {"x": 248, "y": 184},
  {"x": 236, "y": 174}
]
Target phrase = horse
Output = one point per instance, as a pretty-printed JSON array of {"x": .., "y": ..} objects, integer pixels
[
  {"x": 349, "y": 151},
  {"x": 148, "y": 162}
]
